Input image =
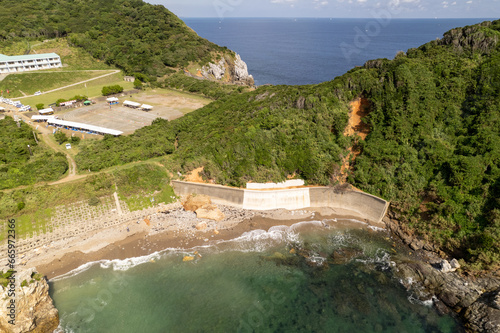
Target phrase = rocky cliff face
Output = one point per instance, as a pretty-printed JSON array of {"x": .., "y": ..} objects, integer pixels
[
  {"x": 34, "y": 309},
  {"x": 228, "y": 69},
  {"x": 475, "y": 300}
]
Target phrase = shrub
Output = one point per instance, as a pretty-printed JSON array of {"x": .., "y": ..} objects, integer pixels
[
  {"x": 20, "y": 206},
  {"x": 94, "y": 201},
  {"x": 60, "y": 137},
  {"x": 109, "y": 90}
]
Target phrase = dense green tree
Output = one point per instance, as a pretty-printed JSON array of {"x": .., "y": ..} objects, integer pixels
[
  {"x": 133, "y": 35},
  {"x": 433, "y": 149}
]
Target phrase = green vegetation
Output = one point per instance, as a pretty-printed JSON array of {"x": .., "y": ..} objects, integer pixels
[
  {"x": 29, "y": 83},
  {"x": 110, "y": 90},
  {"x": 211, "y": 89},
  {"x": 433, "y": 149},
  {"x": 73, "y": 58},
  {"x": 264, "y": 135},
  {"x": 17, "y": 167},
  {"x": 145, "y": 143},
  {"x": 60, "y": 137},
  {"x": 131, "y": 35},
  {"x": 137, "y": 185},
  {"x": 78, "y": 98},
  {"x": 4, "y": 277},
  {"x": 91, "y": 89}
]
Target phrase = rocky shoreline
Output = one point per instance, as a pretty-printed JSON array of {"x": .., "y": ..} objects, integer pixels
[
  {"x": 32, "y": 309},
  {"x": 427, "y": 275}
]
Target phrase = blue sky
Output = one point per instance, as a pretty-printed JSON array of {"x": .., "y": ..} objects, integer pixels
[{"x": 333, "y": 8}]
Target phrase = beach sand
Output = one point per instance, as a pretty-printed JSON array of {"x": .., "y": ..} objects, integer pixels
[{"x": 172, "y": 228}]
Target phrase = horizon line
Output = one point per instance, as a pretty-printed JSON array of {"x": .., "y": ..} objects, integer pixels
[{"x": 346, "y": 18}]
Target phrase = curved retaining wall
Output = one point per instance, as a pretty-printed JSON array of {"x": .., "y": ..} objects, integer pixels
[
  {"x": 294, "y": 198},
  {"x": 361, "y": 204}
]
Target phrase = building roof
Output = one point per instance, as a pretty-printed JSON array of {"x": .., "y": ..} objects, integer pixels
[
  {"x": 112, "y": 99},
  {"x": 132, "y": 103},
  {"x": 48, "y": 110},
  {"x": 39, "y": 117},
  {"x": 3, "y": 57},
  {"x": 87, "y": 127}
]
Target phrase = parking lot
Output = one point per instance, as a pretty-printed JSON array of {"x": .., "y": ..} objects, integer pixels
[{"x": 166, "y": 104}]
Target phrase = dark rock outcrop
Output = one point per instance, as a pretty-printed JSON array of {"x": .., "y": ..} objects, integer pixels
[{"x": 475, "y": 300}]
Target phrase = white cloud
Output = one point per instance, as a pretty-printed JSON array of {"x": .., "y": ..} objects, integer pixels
[
  {"x": 396, "y": 3},
  {"x": 290, "y": 2},
  {"x": 319, "y": 3}
]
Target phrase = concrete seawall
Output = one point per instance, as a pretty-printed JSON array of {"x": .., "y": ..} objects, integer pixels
[
  {"x": 294, "y": 198},
  {"x": 220, "y": 194},
  {"x": 362, "y": 204},
  {"x": 356, "y": 203}
]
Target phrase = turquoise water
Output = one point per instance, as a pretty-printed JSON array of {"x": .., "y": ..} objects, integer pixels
[{"x": 334, "y": 280}]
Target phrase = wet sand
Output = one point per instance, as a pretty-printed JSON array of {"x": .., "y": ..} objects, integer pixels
[{"x": 141, "y": 242}]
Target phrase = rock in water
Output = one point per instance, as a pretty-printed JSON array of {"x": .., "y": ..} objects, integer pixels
[{"x": 34, "y": 307}]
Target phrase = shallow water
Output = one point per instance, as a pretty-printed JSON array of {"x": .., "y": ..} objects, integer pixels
[{"x": 311, "y": 277}]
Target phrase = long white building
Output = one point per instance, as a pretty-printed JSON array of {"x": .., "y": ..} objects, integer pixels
[{"x": 29, "y": 62}]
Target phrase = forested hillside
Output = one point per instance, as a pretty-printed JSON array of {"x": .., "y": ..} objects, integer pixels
[
  {"x": 433, "y": 149},
  {"x": 130, "y": 34},
  {"x": 17, "y": 167}
]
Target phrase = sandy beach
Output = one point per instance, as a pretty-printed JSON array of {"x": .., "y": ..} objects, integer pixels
[{"x": 172, "y": 227}]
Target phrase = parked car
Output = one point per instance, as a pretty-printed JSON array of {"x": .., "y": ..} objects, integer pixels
[
  {"x": 38, "y": 93},
  {"x": 68, "y": 146}
]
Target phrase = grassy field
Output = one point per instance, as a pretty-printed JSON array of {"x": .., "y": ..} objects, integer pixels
[
  {"x": 73, "y": 58},
  {"x": 78, "y": 66},
  {"x": 135, "y": 183},
  {"x": 31, "y": 82},
  {"x": 90, "y": 89}
]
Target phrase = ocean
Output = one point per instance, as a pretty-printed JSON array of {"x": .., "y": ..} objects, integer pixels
[
  {"x": 308, "y": 51},
  {"x": 311, "y": 277}
]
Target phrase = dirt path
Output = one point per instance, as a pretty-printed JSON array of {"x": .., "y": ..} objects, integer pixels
[
  {"x": 45, "y": 137},
  {"x": 360, "y": 108},
  {"x": 74, "y": 84}
]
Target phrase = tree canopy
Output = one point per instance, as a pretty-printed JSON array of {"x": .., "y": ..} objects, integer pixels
[
  {"x": 433, "y": 149},
  {"x": 129, "y": 34}
]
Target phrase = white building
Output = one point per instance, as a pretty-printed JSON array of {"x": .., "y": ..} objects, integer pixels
[{"x": 29, "y": 62}]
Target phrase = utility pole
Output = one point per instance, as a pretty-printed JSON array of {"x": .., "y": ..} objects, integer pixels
[{"x": 31, "y": 153}]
